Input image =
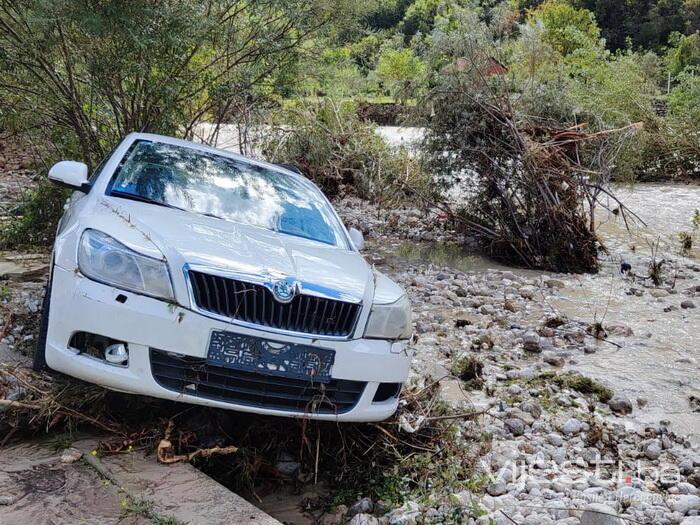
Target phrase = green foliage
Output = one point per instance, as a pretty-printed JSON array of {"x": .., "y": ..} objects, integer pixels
[
  {"x": 683, "y": 53},
  {"x": 400, "y": 71},
  {"x": 94, "y": 73},
  {"x": 342, "y": 154},
  {"x": 566, "y": 28},
  {"x": 684, "y": 99},
  {"x": 584, "y": 385},
  {"x": 469, "y": 369},
  {"x": 642, "y": 23},
  {"x": 34, "y": 223},
  {"x": 604, "y": 90},
  {"x": 420, "y": 16}
]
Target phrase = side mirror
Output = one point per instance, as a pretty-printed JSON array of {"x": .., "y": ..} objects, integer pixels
[
  {"x": 71, "y": 174},
  {"x": 358, "y": 240}
]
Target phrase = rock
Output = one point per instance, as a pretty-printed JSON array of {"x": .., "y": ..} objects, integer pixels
[
  {"x": 515, "y": 426},
  {"x": 572, "y": 426},
  {"x": 686, "y": 467},
  {"x": 527, "y": 292},
  {"x": 687, "y": 488},
  {"x": 685, "y": 503},
  {"x": 590, "y": 455},
  {"x": 364, "y": 519},
  {"x": 620, "y": 404},
  {"x": 692, "y": 520},
  {"x": 600, "y": 514},
  {"x": 288, "y": 468},
  {"x": 552, "y": 358},
  {"x": 554, "y": 283},
  {"x": 555, "y": 439},
  {"x": 365, "y": 506},
  {"x": 658, "y": 292},
  {"x": 497, "y": 489},
  {"x": 71, "y": 455},
  {"x": 652, "y": 450},
  {"x": 619, "y": 329},
  {"x": 642, "y": 402},
  {"x": 531, "y": 408},
  {"x": 531, "y": 341},
  {"x": 557, "y": 510},
  {"x": 515, "y": 389},
  {"x": 687, "y": 304},
  {"x": 590, "y": 348},
  {"x": 405, "y": 515},
  {"x": 27, "y": 271},
  {"x": 462, "y": 499}
]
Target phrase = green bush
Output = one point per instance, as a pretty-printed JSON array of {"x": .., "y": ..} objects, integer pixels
[
  {"x": 34, "y": 223},
  {"x": 341, "y": 153}
]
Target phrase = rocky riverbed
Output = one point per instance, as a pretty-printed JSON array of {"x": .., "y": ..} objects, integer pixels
[{"x": 565, "y": 448}]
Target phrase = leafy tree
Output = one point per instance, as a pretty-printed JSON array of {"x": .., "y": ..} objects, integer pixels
[
  {"x": 567, "y": 29},
  {"x": 691, "y": 15},
  {"x": 401, "y": 71},
  {"x": 684, "y": 53},
  {"x": 684, "y": 99},
  {"x": 87, "y": 72},
  {"x": 420, "y": 16}
]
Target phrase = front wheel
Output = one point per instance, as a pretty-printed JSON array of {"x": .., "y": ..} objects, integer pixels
[{"x": 40, "y": 351}]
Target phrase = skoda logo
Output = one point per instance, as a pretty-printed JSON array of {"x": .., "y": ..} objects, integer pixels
[{"x": 284, "y": 291}]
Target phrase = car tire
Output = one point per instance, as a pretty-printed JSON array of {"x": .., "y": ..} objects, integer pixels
[{"x": 39, "y": 363}]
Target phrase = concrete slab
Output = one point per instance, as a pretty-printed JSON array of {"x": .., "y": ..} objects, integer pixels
[
  {"x": 44, "y": 486},
  {"x": 37, "y": 488},
  {"x": 178, "y": 490}
]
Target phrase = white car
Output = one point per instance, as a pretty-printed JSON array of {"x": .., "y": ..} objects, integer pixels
[{"x": 188, "y": 273}]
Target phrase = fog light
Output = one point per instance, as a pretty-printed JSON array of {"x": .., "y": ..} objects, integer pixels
[{"x": 117, "y": 354}]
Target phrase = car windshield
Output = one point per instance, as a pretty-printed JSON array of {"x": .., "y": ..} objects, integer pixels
[{"x": 225, "y": 188}]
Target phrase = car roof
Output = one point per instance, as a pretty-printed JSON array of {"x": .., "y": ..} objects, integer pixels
[{"x": 203, "y": 147}]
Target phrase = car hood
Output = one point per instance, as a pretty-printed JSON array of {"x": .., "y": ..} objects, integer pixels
[{"x": 188, "y": 238}]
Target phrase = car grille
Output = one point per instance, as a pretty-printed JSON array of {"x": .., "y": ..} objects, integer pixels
[
  {"x": 193, "y": 376},
  {"x": 254, "y": 303}
]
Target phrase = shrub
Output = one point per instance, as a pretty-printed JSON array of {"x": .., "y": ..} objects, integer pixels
[
  {"x": 342, "y": 154},
  {"x": 523, "y": 170},
  {"x": 34, "y": 222}
]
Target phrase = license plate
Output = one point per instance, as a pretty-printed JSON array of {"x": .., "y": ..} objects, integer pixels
[{"x": 243, "y": 352}]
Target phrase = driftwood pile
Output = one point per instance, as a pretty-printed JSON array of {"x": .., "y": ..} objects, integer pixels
[{"x": 529, "y": 185}]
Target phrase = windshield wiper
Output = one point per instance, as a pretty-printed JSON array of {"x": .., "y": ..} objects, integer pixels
[{"x": 141, "y": 198}]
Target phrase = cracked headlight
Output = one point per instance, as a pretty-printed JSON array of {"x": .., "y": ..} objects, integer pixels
[
  {"x": 104, "y": 259},
  {"x": 390, "y": 321}
]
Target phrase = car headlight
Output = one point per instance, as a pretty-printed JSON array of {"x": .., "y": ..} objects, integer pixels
[
  {"x": 390, "y": 321},
  {"x": 104, "y": 259}
]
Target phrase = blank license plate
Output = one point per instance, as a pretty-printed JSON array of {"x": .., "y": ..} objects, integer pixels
[{"x": 242, "y": 352}]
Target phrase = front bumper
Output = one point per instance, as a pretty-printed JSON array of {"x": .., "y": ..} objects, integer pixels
[{"x": 79, "y": 304}]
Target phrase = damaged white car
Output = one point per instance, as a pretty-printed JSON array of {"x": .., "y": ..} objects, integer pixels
[{"x": 188, "y": 273}]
